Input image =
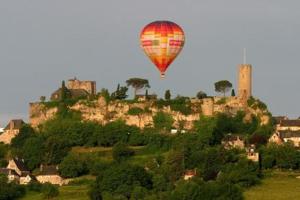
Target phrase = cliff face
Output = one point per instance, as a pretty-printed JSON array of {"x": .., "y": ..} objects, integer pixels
[{"x": 103, "y": 112}]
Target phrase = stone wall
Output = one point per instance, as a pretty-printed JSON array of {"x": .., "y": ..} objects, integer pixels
[
  {"x": 89, "y": 86},
  {"x": 101, "y": 112},
  {"x": 8, "y": 135}
]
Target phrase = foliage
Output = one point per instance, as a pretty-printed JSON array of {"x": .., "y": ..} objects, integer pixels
[
  {"x": 49, "y": 191},
  {"x": 221, "y": 101},
  {"x": 223, "y": 86},
  {"x": 120, "y": 93},
  {"x": 232, "y": 93},
  {"x": 33, "y": 152},
  {"x": 26, "y": 132},
  {"x": 122, "y": 180},
  {"x": 282, "y": 156},
  {"x": 10, "y": 191},
  {"x": 72, "y": 166},
  {"x": 173, "y": 166},
  {"x": 167, "y": 95},
  {"x": 105, "y": 93},
  {"x": 138, "y": 84},
  {"x": 163, "y": 121},
  {"x": 256, "y": 104},
  {"x": 180, "y": 104},
  {"x": 121, "y": 152},
  {"x": 201, "y": 95},
  {"x": 135, "y": 111}
]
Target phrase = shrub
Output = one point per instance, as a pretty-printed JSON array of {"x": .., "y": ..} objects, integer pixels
[
  {"x": 50, "y": 191},
  {"x": 121, "y": 152},
  {"x": 135, "y": 111},
  {"x": 72, "y": 166},
  {"x": 163, "y": 121}
]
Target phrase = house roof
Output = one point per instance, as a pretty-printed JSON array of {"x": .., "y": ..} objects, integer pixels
[
  {"x": 8, "y": 171},
  {"x": 289, "y": 134},
  {"x": 48, "y": 170},
  {"x": 16, "y": 124},
  {"x": 294, "y": 122},
  {"x": 278, "y": 119},
  {"x": 21, "y": 165}
]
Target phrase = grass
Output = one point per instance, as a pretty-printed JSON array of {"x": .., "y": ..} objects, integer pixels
[
  {"x": 276, "y": 186},
  {"x": 65, "y": 193}
]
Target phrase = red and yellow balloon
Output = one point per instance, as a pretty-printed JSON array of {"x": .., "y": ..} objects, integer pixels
[{"x": 162, "y": 41}]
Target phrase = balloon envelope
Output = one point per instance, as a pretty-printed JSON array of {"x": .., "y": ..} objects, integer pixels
[{"x": 162, "y": 41}]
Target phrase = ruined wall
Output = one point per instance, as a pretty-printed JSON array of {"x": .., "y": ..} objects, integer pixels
[
  {"x": 89, "y": 86},
  {"x": 101, "y": 112},
  {"x": 8, "y": 135}
]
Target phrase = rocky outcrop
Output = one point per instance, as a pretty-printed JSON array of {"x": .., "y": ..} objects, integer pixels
[{"x": 102, "y": 112}]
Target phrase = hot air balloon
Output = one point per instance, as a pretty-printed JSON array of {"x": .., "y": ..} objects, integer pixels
[{"x": 162, "y": 41}]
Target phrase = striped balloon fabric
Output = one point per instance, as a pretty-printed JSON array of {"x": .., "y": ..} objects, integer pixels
[{"x": 162, "y": 41}]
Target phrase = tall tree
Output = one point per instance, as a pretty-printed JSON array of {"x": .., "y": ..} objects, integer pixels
[
  {"x": 120, "y": 93},
  {"x": 232, "y": 93},
  {"x": 167, "y": 95},
  {"x": 138, "y": 84},
  {"x": 223, "y": 86}
]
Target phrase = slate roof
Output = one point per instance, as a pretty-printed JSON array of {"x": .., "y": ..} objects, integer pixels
[
  {"x": 7, "y": 171},
  {"x": 294, "y": 122},
  {"x": 17, "y": 124},
  {"x": 49, "y": 170},
  {"x": 21, "y": 165}
]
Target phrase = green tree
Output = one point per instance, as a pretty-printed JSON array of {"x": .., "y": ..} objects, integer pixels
[
  {"x": 138, "y": 84},
  {"x": 163, "y": 121},
  {"x": 50, "y": 191},
  {"x": 121, "y": 152},
  {"x": 223, "y": 86},
  {"x": 201, "y": 95},
  {"x": 105, "y": 93},
  {"x": 120, "y": 93},
  {"x": 232, "y": 93},
  {"x": 26, "y": 132},
  {"x": 173, "y": 166},
  {"x": 167, "y": 95},
  {"x": 33, "y": 152},
  {"x": 10, "y": 191},
  {"x": 72, "y": 166}
]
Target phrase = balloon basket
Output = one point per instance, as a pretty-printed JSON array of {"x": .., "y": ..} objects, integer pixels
[{"x": 162, "y": 76}]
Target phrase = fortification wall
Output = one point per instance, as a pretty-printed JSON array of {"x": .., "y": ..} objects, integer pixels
[
  {"x": 89, "y": 86},
  {"x": 102, "y": 112}
]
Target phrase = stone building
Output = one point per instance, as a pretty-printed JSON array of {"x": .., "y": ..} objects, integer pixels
[
  {"x": 11, "y": 130},
  {"x": 291, "y": 125},
  {"x": 89, "y": 86},
  {"x": 280, "y": 137},
  {"x": 49, "y": 174},
  {"x": 245, "y": 81},
  {"x": 76, "y": 89}
]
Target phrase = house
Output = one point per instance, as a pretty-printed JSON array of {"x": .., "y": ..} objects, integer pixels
[
  {"x": 11, "y": 174},
  {"x": 11, "y": 130},
  {"x": 252, "y": 154},
  {"x": 189, "y": 174},
  {"x": 292, "y": 125},
  {"x": 279, "y": 137},
  {"x": 49, "y": 174},
  {"x": 26, "y": 179},
  {"x": 233, "y": 141},
  {"x": 278, "y": 119},
  {"x": 17, "y": 171},
  {"x": 18, "y": 166}
]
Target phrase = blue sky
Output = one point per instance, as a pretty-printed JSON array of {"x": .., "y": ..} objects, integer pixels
[{"x": 44, "y": 42}]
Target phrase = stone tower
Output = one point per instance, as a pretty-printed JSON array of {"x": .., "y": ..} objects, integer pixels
[{"x": 245, "y": 81}]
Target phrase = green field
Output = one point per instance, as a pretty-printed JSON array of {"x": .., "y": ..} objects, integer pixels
[
  {"x": 276, "y": 186},
  {"x": 65, "y": 193}
]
